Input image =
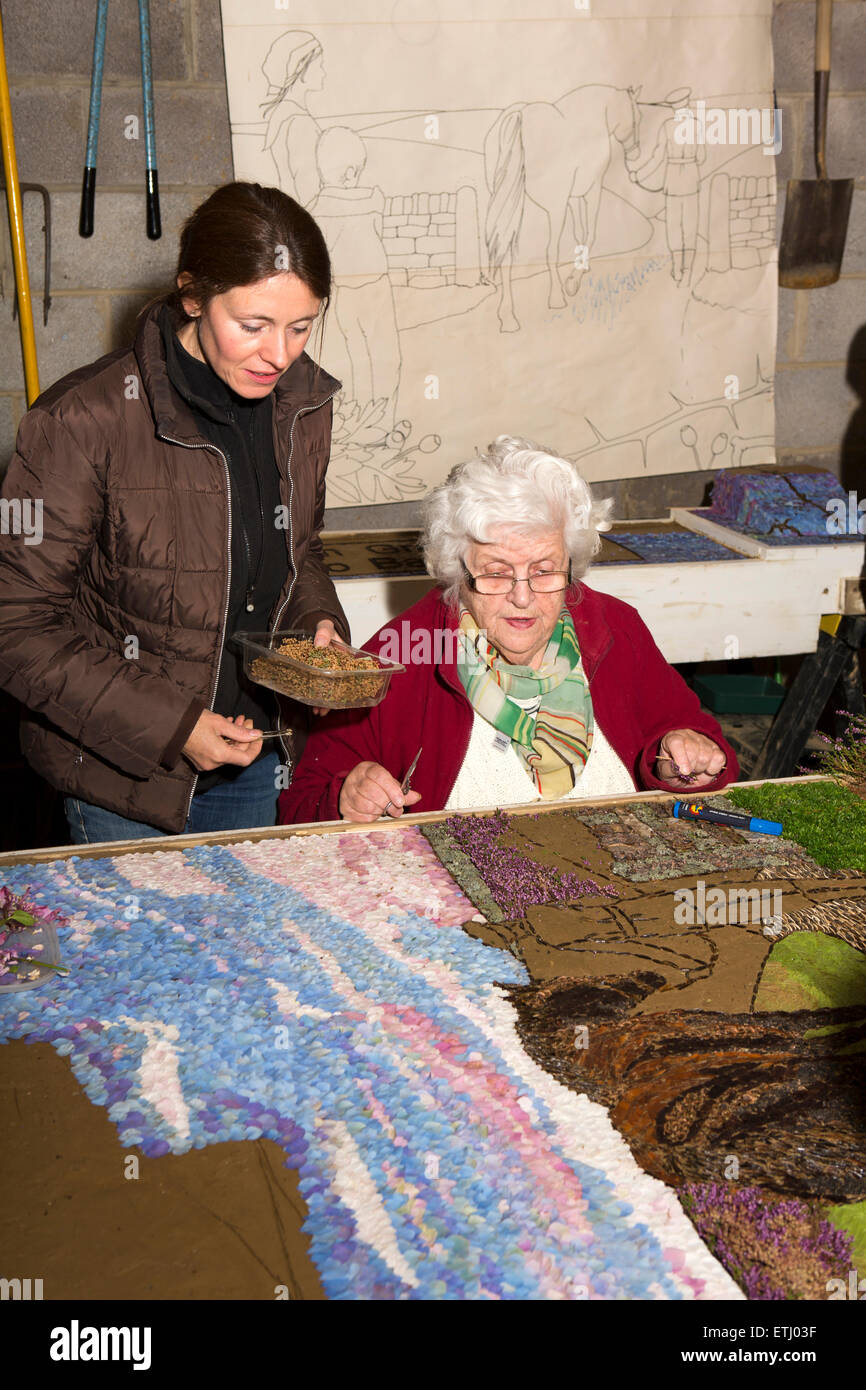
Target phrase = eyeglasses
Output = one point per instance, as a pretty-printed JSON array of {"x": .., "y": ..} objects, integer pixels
[{"x": 547, "y": 582}]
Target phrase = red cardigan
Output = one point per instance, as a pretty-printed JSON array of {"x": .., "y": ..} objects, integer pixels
[{"x": 636, "y": 699}]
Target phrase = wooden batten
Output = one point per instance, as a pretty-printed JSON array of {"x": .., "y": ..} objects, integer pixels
[{"x": 110, "y": 849}]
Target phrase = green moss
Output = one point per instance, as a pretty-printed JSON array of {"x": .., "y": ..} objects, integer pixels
[
  {"x": 826, "y": 1032},
  {"x": 810, "y": 970},
  {"x": 829, "y": 821},
  {"x": 852, "y": 1218},
  {"x": 779, "y": 990}
]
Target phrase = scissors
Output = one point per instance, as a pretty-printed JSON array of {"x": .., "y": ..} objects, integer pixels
[{"x": 406, "y": 784}]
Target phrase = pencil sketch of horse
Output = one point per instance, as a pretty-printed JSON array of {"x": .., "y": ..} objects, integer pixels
[{"x": 556, "y": 154}]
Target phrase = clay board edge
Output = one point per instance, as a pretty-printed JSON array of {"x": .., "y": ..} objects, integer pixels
[{"x": 114, "y": 848}]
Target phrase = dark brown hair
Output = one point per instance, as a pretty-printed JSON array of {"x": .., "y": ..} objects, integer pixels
[{"x": 243, "y": 233}]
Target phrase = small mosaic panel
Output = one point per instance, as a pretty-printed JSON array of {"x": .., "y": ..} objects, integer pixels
[{"x": 672, "y": 547}]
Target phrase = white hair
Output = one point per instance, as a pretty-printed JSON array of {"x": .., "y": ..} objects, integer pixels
[{"x": 517, "y": 486}]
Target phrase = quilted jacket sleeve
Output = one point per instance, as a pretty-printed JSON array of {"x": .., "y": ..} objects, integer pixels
[{"x": 109, "y": 704}]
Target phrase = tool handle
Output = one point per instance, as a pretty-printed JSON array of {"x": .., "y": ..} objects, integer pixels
[
  {"x": 88, "y": 187},
  {"x": 154, "y": 223},
  {"x": 16, "y": 230},
  {"x": 822, "y": 91},
  {"x": 823, "y": 27},
  {"x": 85, "y": 217}
]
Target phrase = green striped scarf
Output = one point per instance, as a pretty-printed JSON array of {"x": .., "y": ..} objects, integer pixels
[{"x": 553, "y": 744}]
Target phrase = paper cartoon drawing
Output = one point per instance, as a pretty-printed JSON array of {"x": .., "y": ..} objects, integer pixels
[{"x": 534, "y": 227}]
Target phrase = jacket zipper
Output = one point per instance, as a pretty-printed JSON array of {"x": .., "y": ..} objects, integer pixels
[
  {"x": 261, "y": 560},
  {"x": 251, "y": 581},
  {"x": 249, "y": 594},
  {"x": 305, "y": 410},
  {"x": 184, "y": 445}
]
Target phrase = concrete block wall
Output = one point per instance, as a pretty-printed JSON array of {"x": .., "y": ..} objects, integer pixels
[
  {"x": 821, "y": 353},
  {"x": 99, "y": 284}
]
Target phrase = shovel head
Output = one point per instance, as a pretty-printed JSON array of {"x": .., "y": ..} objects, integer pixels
[{"x": 813, "y": 232}]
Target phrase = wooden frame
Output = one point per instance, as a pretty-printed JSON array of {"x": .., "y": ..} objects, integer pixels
[{"x": 107, "y": 849}]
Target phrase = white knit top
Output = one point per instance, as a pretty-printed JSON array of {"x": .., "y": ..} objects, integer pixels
[{"x": 494, "y": 776}]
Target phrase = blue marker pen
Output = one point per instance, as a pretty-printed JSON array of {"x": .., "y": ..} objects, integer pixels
[{"x": 696, "y": 810}]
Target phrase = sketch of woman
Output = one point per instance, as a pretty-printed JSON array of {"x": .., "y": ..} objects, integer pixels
[{"x": 294, "y": 67}]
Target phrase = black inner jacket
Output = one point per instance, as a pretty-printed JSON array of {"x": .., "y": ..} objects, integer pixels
[{"x": 243, "y": 430}]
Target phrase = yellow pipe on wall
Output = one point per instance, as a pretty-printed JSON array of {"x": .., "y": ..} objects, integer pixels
[{"x": 16, "y": 232}]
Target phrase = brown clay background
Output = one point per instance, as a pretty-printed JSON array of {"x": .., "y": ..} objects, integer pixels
[{"x": 217, "y": 1223}]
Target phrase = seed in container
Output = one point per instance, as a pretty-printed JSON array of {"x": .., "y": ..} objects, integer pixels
[
  {"x": 333, "y": 658},
  {"x": 332, "y": 677}
]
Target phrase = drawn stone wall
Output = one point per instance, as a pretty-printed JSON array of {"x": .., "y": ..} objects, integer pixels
[
  {"x": 741, "y": 222},
  {"x": 430, "y": 238}
]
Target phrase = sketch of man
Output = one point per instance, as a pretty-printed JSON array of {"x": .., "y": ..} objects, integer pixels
[
  {"x": 674, "y": 169},
  {"x": 351, "y": 219}
]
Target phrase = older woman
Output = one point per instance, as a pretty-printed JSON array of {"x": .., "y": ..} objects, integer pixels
[{"x": 530, "y": 685}]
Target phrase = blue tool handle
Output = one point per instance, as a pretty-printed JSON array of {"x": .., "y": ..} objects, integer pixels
[
  {"x": 85, "y": 216},
  {"x": 88, "y": 187},
  {"x": 154, "y": 224}
]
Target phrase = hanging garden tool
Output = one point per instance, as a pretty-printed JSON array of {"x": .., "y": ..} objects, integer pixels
[
  {"x": 816, "y": 210},
  {"x": 46, "y": 233},
  {"x": 154, "y": 225},
  {"x": 88, "y": 188},
  {"x": 16, "y": 231}
]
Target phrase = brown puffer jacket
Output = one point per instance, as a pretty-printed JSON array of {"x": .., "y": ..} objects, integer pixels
[{"x": 136, "y": 516}]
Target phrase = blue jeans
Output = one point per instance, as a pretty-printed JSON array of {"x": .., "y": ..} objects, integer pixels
[{"x": 249, "y": 801}]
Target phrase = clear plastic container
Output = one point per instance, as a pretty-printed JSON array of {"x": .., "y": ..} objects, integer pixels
[{"x": 265, "y": 665}]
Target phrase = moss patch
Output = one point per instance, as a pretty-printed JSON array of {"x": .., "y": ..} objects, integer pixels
[
  {"x": 829, "y": 821},
  {"x": 810, "y": 970},
  {"x": 852, "y": 1219}
]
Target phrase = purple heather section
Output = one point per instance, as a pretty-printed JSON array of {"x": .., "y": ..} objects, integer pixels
[
  {"x": 777, "y": 1230},
  {"x": 515, "y": 881}
]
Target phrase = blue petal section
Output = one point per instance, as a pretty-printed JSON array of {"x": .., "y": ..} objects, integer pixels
[
  {"x": 668, "y": 547},
  {"x": 436, "y": 1161}
]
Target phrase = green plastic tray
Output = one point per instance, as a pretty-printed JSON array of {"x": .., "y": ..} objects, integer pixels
[{"x": 739, "y": 694}]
